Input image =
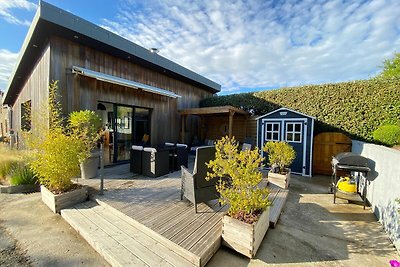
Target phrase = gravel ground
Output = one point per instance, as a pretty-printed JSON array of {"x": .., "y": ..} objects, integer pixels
[
  {"x": 31, "y": 235},
  {"x": 10, "y": 253}
]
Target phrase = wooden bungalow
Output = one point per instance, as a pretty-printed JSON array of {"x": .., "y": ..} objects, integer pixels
[{"x": 136, "y": 91}]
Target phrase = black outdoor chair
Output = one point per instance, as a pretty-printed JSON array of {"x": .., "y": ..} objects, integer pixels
[
  {"x": 136, "y": 159},
  {"x": 182, "y": 155},
  {"x": 195, "y": 187},
  {"x": 155, "y": 163}
]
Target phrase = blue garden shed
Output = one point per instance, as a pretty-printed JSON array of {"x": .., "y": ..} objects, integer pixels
[{"x": 293, "y": 127}]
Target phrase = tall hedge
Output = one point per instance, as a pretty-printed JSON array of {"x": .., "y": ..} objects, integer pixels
[{"x": 356, "y": 108}]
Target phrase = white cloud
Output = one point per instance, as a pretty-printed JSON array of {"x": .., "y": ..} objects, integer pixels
[
  {"x": 7, "y": 62},
  {"x": 260, "y": 44},
  {"x": 6, "y": 6}
]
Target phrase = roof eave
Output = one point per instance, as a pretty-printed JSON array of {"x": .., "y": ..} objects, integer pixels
[{"x": 21, "y": 54}]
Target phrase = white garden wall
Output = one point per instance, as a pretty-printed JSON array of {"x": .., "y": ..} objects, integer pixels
[{"x": 385, "y": 188}]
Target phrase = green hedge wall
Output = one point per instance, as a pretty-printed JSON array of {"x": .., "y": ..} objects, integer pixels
[{"x": 356, "y": 108}]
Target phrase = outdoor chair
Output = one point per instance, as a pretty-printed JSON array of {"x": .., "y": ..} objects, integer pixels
[
  {"x": 136, "y": 159},
  {"x": 155, "y": 163},
  {"x": 207, "y": 142},
  {"x": 246, "y": 146},
  {"x": 182, "y": 154},
  {"x": 194, "y": 186}
]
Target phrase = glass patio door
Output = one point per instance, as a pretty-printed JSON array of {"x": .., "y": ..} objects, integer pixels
[
  {"x": 141, "y": 126},
  {"x": 124, "y": 131}
]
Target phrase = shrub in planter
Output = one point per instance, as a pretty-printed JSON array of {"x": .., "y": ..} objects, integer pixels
[
  {"x": 280, "y": 157},
  {"x": 57, "y": 161},
  {"x": 85, "y": 124},
  {"x": 22, "y": 174},
  {"x": 239, "y": 178},
  {"x": 56, "y": 154},
  {"x": 388, "y": 134}
]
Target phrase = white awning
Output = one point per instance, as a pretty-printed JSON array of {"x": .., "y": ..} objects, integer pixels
[{"x": 120, "y": 81}]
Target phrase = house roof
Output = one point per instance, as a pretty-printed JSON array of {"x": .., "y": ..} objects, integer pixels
[
  {"x": 52, "y": 21},
  {"x": 287, "y": 109}
]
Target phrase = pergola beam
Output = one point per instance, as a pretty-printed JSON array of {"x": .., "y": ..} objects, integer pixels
[{"x": 212, "y": 110}]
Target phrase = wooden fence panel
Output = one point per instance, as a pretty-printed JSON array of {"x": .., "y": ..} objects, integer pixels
[{"x": 327, "y": 145}]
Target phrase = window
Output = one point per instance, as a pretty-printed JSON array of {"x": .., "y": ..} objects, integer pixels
[
  {"x": 26, "y": 116},
  {"x": 272, "y": 131},
  {"x": 293, "y": 132}
]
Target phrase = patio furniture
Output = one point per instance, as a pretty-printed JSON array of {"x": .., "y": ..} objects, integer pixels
[
  {"x": 182, "y": 154},
  {"x": 155, "y": 163},
  {"x": 194, "y": 186},
  {"x": 246, "y": 146},
  {"x": 207, "y": 142},
  {"x": 136, "y": 159},
  {"x": 178, "y": 155}
]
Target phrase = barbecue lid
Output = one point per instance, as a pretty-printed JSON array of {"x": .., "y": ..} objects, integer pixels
[{"x": 350, "y": 159}]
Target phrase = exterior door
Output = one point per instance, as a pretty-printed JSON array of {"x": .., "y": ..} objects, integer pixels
[
  {"x": 294, "y": 132},
  {"x": 124, "y": 131}
]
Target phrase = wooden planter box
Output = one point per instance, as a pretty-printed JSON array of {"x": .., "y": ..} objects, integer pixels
[
  {"x": 24, "y": 188},
  {"x": 243, "y": 237},
  {"x": 64, "y": 200},
  {"x": 281, "y": 180}
]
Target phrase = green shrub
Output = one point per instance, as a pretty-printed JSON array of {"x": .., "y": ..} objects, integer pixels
[
  {"x": 57, "y": 161},
  {"x": 10, "y": 159},
  {"x": 22, "y": 174},
  {"x": 239, "y": 176},
  {"x": 5, "y": 168},
  {"x": 85, "y": 124},
  {"x": 280, "y": 153},
  {"x": 356, "y": 108},
  {"x": 388, "y": 134},
  {"x": 57, "y": 151}
]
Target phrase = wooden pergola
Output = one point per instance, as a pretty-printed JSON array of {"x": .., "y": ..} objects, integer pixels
[{"x": 207, "y": 111}]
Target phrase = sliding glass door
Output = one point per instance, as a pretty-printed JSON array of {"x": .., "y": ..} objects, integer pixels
[
  {"x": 124, "y": 126},
  {"x": 124, "y": 132},
  {"x": 142, "y": 126}
]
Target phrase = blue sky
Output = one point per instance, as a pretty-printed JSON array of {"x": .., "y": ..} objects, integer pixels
[{"x": 243, "y": 45}]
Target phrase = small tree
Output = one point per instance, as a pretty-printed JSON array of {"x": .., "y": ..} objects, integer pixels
[
  {"x": 391, "y": 67},
  {"x": 239, "y": 176},
  {"x": 280, "y": 153},
  {"x": 56, "y": 152}
]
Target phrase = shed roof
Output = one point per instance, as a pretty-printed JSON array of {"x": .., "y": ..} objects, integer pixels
[
  {"x": 287, "y": 109},
  {"x": 50, "y": 20}
]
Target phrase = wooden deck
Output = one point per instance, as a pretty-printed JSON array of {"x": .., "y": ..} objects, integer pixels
[{"x": 154, "y": 207}]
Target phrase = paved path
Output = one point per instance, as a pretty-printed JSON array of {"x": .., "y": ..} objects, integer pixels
[
  {"x": 30, "y": 234},
  {"x": 312, "y": 231}
]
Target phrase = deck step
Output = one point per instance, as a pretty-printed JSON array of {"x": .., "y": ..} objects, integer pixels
[
  {"x": 277, "y": 207},
  {"x": 117, "y": 240}
]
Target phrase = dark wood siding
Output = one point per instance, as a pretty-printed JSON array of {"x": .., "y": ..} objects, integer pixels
[
  {"x": 216, "y": 127},
  {"x": 83, "y": 93},
  {"x": 34, "y": 89}
]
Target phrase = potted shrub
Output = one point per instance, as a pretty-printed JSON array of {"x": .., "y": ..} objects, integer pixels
[
  {"x": 280, "y": 157},
  {"x": 56, "y": 156},
  {"x": 86, "y": 124},
  {"x": 247, "y": 220}
]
